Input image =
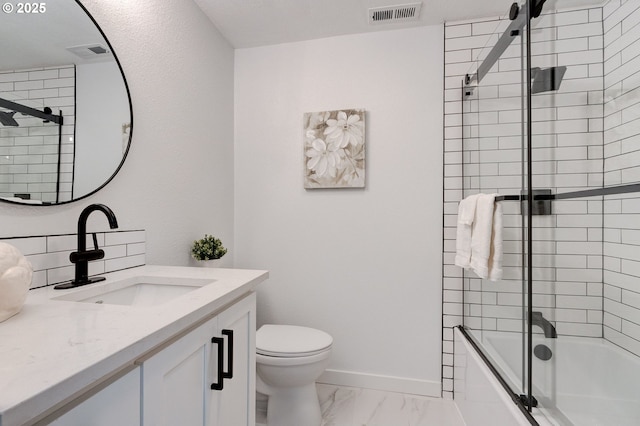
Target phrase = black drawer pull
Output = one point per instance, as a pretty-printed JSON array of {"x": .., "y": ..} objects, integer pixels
[
  {"x": 229, "y": 373},
  {"x": 219, "y": 341}
]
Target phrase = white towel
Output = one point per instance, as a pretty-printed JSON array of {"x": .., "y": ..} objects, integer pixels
[
  {"x": 481, "y": 232},
  {"x": 466, "y": 215},
  {"x": 479, "y": 236},
  {"x": 495, "y": 257}
]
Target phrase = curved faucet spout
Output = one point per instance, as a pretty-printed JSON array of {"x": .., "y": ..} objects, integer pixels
[
  {"x": 82, "y": 256},
  {"x": 82, "y": 222},
  {"x": 542, "y": 322}
]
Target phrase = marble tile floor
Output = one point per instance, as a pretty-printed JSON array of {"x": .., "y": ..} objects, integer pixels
[{"x": 345, "y": 406}]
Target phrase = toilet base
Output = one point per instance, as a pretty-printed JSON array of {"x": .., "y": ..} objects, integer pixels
[{"x": 294, "y": 406}]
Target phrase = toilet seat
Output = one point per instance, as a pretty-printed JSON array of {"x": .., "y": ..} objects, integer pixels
[{"x": 291, "y": 341}]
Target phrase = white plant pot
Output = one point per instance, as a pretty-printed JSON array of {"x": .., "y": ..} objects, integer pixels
[{"x": 213, "y": 263}]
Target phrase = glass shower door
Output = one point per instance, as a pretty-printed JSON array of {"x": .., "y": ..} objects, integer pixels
[
  {"x": 494, "y": 122},
  {"x": 566, "y": 156}
]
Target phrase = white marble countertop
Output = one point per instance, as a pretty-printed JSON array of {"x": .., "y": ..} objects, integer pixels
[{"x": 53, "y": 349}]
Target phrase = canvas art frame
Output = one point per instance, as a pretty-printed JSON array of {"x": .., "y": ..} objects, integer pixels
[{"x": 334, "y": 149}]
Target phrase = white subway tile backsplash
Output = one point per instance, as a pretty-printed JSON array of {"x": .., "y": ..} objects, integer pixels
[
  {"x": 112, "y": 265},
  {"x": 115, "y": 251},
  {"x": 39, "y": 279},
  {"x": 49, "y": 255},
  {"x": 115, "y": 238},
  {"x": 46, "y": 261},
  {"x": 58, "y": 275},
  {"x": 69, "y": 242},
  {"x": 28, "y": 246}
]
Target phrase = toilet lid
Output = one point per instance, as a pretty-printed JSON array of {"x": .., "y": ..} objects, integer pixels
[{"x": 291, "y": 341}]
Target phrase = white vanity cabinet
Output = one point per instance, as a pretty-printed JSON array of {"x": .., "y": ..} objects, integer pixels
[
  {"x": 206, "y": 377},
  {"x": 137, "y": 364},
  {"x": 235, "y": 403},
  {"x": 116, "y": 404}
]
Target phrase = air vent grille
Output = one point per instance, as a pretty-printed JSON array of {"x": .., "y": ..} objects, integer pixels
[
  {"x": 89, "y": 51},
  {"x": 398, "y": 13}
]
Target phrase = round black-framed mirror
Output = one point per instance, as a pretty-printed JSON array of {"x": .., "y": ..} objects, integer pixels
[{"x": 66, "y": 116}]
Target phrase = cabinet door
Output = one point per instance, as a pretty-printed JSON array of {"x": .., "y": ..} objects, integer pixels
[
  {"x": 234, "y": 405},
  {"x": 117, "y": 404},
  {"x": 175, "y": 382}
]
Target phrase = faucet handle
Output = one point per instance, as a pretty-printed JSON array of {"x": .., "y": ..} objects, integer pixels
[
  {"x": 95, "y": 241},
  {"x": 86, "y": 256}
]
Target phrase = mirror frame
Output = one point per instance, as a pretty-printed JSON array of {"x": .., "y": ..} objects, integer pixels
[{"x": 126, "y": 152}]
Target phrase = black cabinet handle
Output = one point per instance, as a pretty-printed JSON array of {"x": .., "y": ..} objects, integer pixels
[
  {"x": 229, "y": 373},
  {"x": 219, "y": 341}
]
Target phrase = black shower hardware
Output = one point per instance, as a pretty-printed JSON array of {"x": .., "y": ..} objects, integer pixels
[
  {"x": 514, "y": 11},
  {"x": 536, "y": 7},
  {"x": 6, "y": 118},
  {"x": 82, "y": 256},
  {"x": 546, "y": 79},
  {"x": 539, "y": 206},
  {"x": 542, "y": 352},
  {"x": 517, "y": 24},
  {"x": 548, "y": 328},
  {"x": 46, "y": 115},
  {"x": 609, "y": 190}
]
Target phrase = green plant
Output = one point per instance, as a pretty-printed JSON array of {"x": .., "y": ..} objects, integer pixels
[{"x": 207, "y": 248}]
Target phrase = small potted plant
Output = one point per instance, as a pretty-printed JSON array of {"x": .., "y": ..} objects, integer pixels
[{"x": 207, "y": 249}]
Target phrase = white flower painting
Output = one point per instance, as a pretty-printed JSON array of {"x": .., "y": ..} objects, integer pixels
[{"x": 334, "y": 149}]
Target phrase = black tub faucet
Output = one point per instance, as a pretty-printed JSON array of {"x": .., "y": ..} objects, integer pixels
[
  {"x": 547, "y": 327},
  {"x": 82, "y": 256}
]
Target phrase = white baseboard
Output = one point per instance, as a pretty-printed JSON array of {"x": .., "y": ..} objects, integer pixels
[{"x": 378, "y": 382}]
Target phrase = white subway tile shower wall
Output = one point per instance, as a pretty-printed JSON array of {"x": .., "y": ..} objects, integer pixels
[
  {"x": 461, "y": 45},
  {"x": 622, "y": 165},
  {"x": 29, "y": 153},
  {"x": 567, "y": 155},
  {"x": 49, "y": 254}
]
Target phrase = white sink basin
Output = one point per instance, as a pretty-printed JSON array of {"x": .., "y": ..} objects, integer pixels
[{"x": 136, "y": 291}]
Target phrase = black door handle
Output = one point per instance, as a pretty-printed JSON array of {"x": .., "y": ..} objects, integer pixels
[
  {"x": 229, "y": 373},
  {"x": 219, "y": 341}
]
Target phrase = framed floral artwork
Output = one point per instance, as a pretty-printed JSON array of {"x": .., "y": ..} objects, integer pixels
[{"x": 334, "y": 145}]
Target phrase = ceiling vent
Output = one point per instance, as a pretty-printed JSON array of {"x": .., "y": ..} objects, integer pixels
[
  {"x": 89, "y": 51},
  {"x": 398, "y": 13}
]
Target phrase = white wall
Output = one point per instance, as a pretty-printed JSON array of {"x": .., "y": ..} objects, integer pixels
[
  {"x": 178, "y": 180},
  {"x": 364, "y": 265},
  {"x": 102, "y": 110}
]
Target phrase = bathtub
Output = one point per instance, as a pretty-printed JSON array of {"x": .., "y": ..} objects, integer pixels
[{"x": 586, "y": 382}]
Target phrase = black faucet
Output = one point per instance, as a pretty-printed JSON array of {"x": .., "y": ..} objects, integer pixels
[
  {"x": 82, "y": 257},
  {"x": 547, "y": 327}
]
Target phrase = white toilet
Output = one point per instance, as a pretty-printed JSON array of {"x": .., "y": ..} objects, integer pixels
[{"x": 289, "y": 359}]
